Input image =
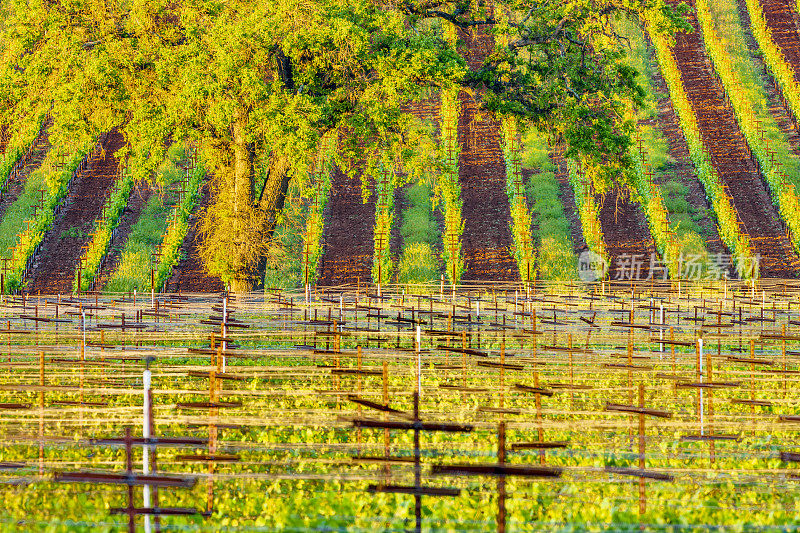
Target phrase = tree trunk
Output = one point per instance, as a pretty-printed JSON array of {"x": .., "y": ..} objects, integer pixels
[
  {"x": 273, "y": 198},
  {"x": 242, "y": 202}
]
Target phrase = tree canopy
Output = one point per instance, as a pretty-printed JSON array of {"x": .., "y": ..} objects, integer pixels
[{"x": 257, "y": 85}]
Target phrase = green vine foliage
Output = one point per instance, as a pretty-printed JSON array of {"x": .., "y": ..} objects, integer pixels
[
  {"x": 524, "y": 252},
  {"x": 773, "y": 57},
  {"x": 448, "y": 188},
  {"x": 587, "y": 209},
  {"x": 21, "y": 141},
  {"x": 382, "y": 264},
  {"x": 317, "y": 194}
]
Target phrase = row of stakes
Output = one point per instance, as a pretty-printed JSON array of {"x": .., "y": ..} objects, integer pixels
[{"x": 416, "y": 424}]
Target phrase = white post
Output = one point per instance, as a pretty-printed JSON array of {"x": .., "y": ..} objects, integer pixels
[
  {"x": 419, "y": 361},
  {"x": 661, "y": 328},
  {"x": 224, "y": 330},
  {"x": 478, "y": 310},
  {"x": 148, "y": 415},
  {"x": 341, "y": 306},
  {"x": 308, "y": 292},
  {"x": 700, "y": 348},
  {"x": 83, "y": 350}
]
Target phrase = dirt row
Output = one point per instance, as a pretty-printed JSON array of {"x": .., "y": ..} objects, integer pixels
[
  {"x": 486, "y": 242},
  {"x": 731, "y": 157},
  {"x": 347, "y": 236},
  {"x": 189, "y": 274},
  {"x": 62, "y": 246},
  {"x": 630, "y": 246},
  {"x": 781, "y": 20}
]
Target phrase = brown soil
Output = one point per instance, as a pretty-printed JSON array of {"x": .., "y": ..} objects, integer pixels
[
  {"x": 486, "y": 242},
  {"x": 426, "y": 109},
  {"x": 17, "y": 184},
  {"x": 189, "y": 274},
  {"x": 732, "y": 159},
  {"x": 136, "y": 202},
  {"x": 778, "y": 107},
  {"x": 54, "y": 270},
  {"x": 781, "y": 21},
  {"x": 347, "y": 238},
  {"x": 630, "y": 247}
]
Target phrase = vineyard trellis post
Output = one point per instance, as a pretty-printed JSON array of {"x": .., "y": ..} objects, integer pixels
[{"x": 5, "y": 268}]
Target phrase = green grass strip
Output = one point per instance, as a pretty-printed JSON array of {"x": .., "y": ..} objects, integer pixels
[
  {"x": 556, "y": 259},
  {"x": 728, "y": 223},
  {"x": 420, "y": 232},
  {"x": 740, "y": 78}
]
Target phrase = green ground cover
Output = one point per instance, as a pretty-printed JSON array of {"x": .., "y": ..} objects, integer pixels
[
  {"x": 554, "y": 246},
  {"x": 420, "y": 233}
]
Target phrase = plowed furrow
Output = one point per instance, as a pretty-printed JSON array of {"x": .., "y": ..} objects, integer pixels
[
  {"x": 486, "y": 242},
  {"x": 630, "y": 247},
  {"x": 54, "y": 270},
  {"x": 731, "y": 157},
  {"x": 347, "y": 238},
  {"x": 189, "y": 275}
]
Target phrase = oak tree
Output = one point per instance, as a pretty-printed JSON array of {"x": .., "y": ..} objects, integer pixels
[{"x": 257, "y": 85}]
